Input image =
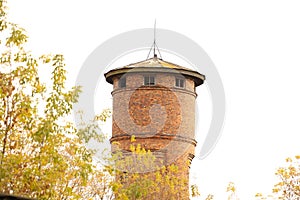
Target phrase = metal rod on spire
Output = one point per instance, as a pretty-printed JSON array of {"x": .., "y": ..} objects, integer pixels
[
  {"x": 154, "y": 45},
  {"x": 154, "y": 36}
]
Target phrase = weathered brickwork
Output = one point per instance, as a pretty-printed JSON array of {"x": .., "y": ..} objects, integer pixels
[{"x": 162, "y": 116}]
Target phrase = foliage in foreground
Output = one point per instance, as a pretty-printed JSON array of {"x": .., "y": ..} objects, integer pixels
[
  {"x": 42, "y": 155},
  {"x": 140, "y": 175},
  {"x": 288, "y": 187}
]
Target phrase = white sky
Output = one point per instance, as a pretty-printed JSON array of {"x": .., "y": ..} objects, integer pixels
[{"x": 255, "y": 46}]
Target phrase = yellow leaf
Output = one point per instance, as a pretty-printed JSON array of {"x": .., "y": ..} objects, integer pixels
[{"x": 132, "y": 139}]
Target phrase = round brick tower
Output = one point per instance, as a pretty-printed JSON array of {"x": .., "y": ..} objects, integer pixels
[{"x": 154, "y": 100}]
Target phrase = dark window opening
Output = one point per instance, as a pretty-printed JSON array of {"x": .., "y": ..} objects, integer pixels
[
  {"x": 149, "y": 80},
  {"x": 179, "y": 82},
  {"x": 122, "y": 82}
]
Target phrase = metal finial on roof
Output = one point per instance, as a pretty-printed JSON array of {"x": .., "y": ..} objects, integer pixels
[
  {"x": 154, "y": 45},
  {"x": 154, "y": 37}
]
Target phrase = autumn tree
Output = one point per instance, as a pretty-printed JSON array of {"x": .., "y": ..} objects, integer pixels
[
  {"x": 288, "y": 186},
  {"x": 42, "y": 154}
]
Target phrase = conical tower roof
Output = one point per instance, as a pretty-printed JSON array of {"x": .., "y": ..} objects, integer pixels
[{"x": 155, "y": 65}]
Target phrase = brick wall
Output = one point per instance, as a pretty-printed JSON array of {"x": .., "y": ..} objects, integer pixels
[{"x": 161, "y": 117}]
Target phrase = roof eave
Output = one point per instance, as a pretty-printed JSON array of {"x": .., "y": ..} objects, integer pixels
[{"x": 198, "y": 78}]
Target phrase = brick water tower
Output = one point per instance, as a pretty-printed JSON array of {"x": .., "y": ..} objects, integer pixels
[{"x": 154, "y": 100}]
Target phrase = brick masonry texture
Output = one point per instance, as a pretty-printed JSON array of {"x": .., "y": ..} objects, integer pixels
[{"x": 162, "y": 116}]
